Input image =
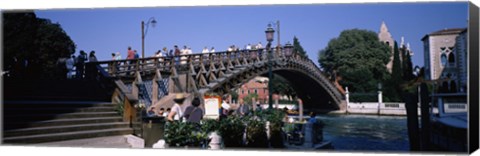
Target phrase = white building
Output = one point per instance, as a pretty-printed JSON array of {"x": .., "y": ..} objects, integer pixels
[{"x": 445, "y": 58}]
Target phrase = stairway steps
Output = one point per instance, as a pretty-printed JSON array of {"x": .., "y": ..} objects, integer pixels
[
  {"x": 63, "y": 128},
  {"x": 64, "y": 109},
  {"x": 61, "y": 122},
  {"x": 66, "y": 136},
  {"x": 56, "y": 104},
  {"x": 60, "y": 116}
]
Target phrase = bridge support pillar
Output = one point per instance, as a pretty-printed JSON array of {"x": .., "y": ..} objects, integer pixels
[
  {"x": 300, "y": 110},
  {"x": 276, "y": 103},
  {"x": 254, "y": 105}
]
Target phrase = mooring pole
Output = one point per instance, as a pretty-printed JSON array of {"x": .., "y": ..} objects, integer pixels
[
  {"x": 411, "y": 104},
  {"x": 425, "y": 119}
]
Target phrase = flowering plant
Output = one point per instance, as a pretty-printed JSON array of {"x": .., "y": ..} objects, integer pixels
[{"x": 140, "y": 106}]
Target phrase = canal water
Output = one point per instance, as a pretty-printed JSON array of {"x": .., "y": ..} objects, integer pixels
[{"x": 366, "y": 133}]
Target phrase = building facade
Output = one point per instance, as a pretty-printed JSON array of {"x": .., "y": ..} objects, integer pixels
[
  {"x": 387, "y": 38},
  {"x": 445, "y": 59},
  {"x": 258, "y": 85}
]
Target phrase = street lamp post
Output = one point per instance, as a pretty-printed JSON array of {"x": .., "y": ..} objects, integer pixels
[
  {"x": 152, "y": 21},
  {"x": 269, "y": 34},
  {"x": 288, "y": 50}
]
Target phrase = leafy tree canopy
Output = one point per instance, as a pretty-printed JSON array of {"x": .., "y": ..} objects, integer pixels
[
  {"x": 281, "y": 86},
  {"x": 36, "y": 41},
  {"x": 356, "y": 59}
]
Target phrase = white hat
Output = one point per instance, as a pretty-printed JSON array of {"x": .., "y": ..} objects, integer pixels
[{"x": 225, "y": 105}]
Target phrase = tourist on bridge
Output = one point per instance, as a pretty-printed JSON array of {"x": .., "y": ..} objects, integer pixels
[
  {"x": 259, "y": 48},
  {"x": 117, "y": 57},
  {"x": 91, "y": 66},
  {"x": 184, "y": 50},
  {"x": 80, "y": 64},
  {"x": 92, "y": 57},
  {"x": 205, "y": 50},
  {"x": 176, "y": 113},
  {"x": 189, "y": 51},
  {"x": 158, "y": 54},
  {"x": 69, "y": 64},
  {"x": 130, "y": 56},
  {"x": 249, "y": 47},
  {"x": 177, "y": 54},
  {"x": 165, "y": 51},
  {"x": 193, "y": 113},
  {"x": 135, "y": 54},
  {"x": 212, "y": 50}
]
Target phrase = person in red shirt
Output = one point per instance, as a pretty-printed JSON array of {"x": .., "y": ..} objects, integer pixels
[
  {"x": 130, "y": 53},
  {"x": 130, "y": 56}
]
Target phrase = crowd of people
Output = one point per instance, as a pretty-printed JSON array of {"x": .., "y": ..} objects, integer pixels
[
  {"x": 194, "y": 113},
  {"x": 75, "y": 66}
]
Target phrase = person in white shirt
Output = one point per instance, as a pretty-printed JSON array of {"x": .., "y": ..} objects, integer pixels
[
  {"x": 230, "y": 49},
  {"x": 184, "y": 50},
  {"x": 249, "y": 47},
  {"x": 69, "y": 64},
  {"x": 158, "y": 54},
  {"x": 259, "y": 45},
  {"x": 205, "y": 50},
  {"x": 189, "y": 51},
  {"x": 165, "y": 114},
  {"x": 212, "y": 50},
  {"x": 176, "y": 112}
]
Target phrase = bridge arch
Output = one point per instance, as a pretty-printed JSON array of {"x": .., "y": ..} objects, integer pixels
[
  {"x": 317, "y": 93},
  {"x": 223, "y": 72}
]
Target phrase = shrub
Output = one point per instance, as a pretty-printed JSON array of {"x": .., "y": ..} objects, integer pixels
[
  {"x": 178, "y": 134},
  {"x": 231, "y": 129},
  {"x": 256, "y": 133}
]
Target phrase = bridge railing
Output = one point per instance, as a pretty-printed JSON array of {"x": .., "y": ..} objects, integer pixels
[{"x": 128, "y": 67}]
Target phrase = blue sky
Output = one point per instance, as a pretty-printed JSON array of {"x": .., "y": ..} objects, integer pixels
[{"x": 114, "y": 29}]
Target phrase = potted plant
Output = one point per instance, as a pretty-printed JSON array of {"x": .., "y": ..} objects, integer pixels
[
  {"x": 184, "y": 134},
  {"x": 256, "y": 133},
  {"x": 231, "y": 129}
]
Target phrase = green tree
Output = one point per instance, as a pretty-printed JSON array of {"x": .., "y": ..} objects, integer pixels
[
  {"x": 356, "y": 59},
  {"x": 281, "y": 86},
  {"x": 298, "y": 48},
  {"x": 248, "y": 99},
  {"x": 234, "y": 96},
  {"x": 36, "y": 40},
  {"x": 397, "y": 66},
  {"x": 407, "y": 65}
]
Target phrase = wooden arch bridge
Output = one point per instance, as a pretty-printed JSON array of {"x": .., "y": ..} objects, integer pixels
[{"x": 220, "y": 73}]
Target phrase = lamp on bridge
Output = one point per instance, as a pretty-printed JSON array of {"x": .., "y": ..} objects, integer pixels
[
  {"x": 269, "y": 34},
  {"x": 152, "y": 21},
  {"x": 288, "y": 49}
]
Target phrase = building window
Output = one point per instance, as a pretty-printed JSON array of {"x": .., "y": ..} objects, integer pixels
[
  {"x": 451, "y": 58},
  {"x": 443, "y": 59},
  {"x": 248, "y": 91},
  {"x": 453, "y": 86},
  {"x": 255, "y": 91},
  {"x": 243, "y": 91}
]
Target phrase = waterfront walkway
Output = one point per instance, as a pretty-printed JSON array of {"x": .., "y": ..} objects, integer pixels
[{"x": 119, "y": 141}]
